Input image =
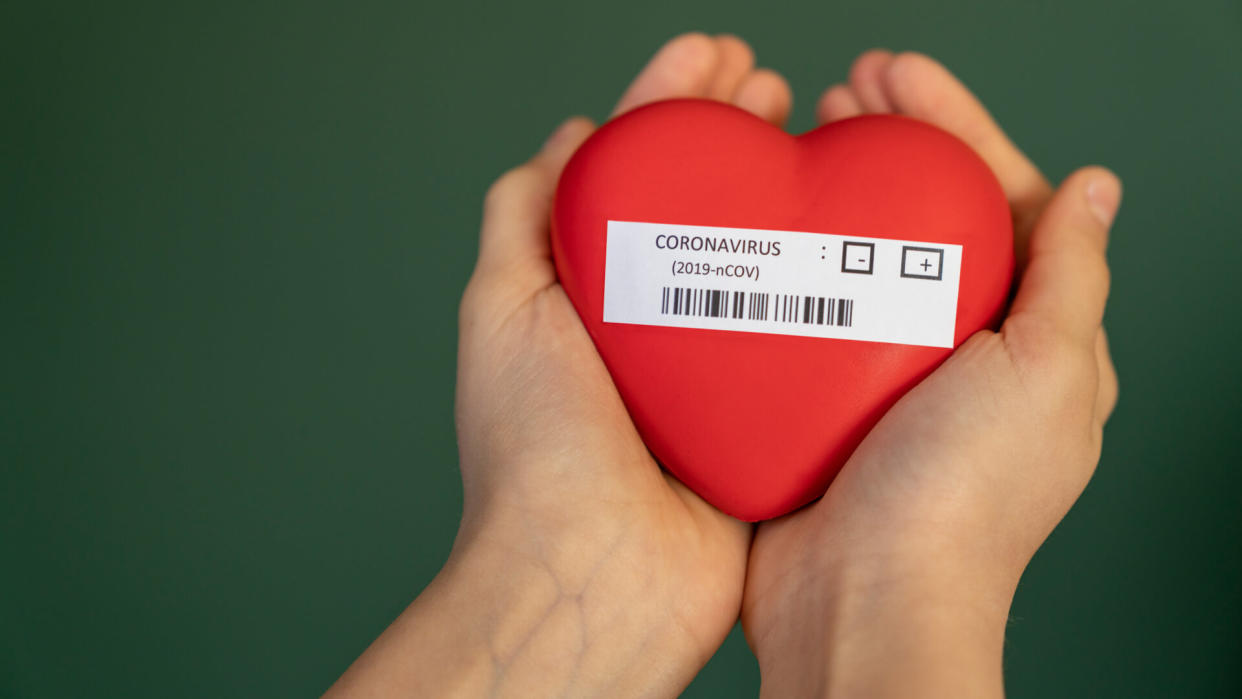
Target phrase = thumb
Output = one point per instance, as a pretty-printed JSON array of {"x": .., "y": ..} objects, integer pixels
[
  {"x": 1066, "y": 280},
  {"x": 514, "y": 234}
]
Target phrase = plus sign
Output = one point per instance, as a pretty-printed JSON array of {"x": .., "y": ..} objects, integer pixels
[{"x": 925, "y": 265}]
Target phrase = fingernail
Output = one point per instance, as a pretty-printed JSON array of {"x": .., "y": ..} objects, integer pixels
[
  {"x": 559, "y": 133},
  {"x": 1103, "y": 198}
]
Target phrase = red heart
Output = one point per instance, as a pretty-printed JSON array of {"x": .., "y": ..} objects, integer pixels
[{"x": 758, "y": 423}]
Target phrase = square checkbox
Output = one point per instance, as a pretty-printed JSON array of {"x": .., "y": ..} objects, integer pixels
[
  {"x": 922, "y": 263},
  {"x": 857, "y": 257}
]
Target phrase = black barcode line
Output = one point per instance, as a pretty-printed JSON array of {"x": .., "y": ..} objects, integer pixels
[{"x": 757, "y": 305}]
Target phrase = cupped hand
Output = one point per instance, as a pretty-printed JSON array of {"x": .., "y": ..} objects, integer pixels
[
  {"x": 580, "y": 567},
  {"x": 898, "y": 581}
]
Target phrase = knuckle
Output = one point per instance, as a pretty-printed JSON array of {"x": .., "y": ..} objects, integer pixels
[
  {"x": 1105, "y": 276},
  {"x": 1110, "y": 405},
  {"x": 1109, "y": 370},
  {"x": 1087, "y": 262},
  {"x": 1110, "y": 389},
  {"x": 467, "y": 303}
]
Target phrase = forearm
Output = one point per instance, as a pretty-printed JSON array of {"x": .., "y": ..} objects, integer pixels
[
  {"x": 499, "y": 624},
  {"x": 883, "y": 628}
]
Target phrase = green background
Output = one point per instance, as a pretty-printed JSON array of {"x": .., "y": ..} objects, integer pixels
[{"x": 235, "y": 234}]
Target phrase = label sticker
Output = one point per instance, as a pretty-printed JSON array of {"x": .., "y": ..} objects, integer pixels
[{"x": 782, "y": 282}]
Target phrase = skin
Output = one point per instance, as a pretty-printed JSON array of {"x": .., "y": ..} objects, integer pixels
[
  {"x": 899, "y": 580},
  {"x": 582, "y": 569}
]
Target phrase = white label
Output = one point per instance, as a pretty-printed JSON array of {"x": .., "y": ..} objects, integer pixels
[{"x": 782, "y": 282}]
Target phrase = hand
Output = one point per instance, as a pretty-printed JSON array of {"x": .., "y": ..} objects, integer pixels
[
  {"x": 580, "y": 567},
  {"x": 898, "y": 582}
]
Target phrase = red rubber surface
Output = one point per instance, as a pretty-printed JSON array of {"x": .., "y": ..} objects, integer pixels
[{"x": 758, "y": 424}]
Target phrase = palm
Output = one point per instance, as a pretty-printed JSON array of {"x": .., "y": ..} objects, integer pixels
[
  {"x": 546, "y": 440},
  {"x": 573, "y": 430},
  {"x": 910, "y": 474},
  {"x": 589, "y": 464},
  {"x": 912, "y": 468}
]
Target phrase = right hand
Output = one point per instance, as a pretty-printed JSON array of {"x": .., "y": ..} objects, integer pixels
[{"x": 898, "y": 582}]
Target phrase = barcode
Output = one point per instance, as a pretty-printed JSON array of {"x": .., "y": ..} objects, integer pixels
[{"x": 757, "y": 305}]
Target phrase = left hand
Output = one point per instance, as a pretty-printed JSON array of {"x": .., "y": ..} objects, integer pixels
[{"x": 580, "y": 567}]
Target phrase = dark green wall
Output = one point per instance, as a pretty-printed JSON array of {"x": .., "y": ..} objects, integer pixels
[{"x": 233, "y": 238}]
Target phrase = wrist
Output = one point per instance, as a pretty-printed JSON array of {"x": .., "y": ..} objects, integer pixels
[
  {"x": 441, "y": 644},
  {"x": 850, "y": 616},
  {"x": 585, "y": 613}
]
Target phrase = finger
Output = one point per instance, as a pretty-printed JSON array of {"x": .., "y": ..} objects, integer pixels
[
  {"x": 1106, "y": 400},
  {"x": 1066, "y": 280},
  {"x": 765, "y": 94},
  {"x": 514, "y": 233},
  {"x": 684, "y": 67},
  {"x": 736, "y": 60},
  {"x": 920, "y": 87},
  {"x": 837, "y": 102},
  {"x": 866, "y": 80}
]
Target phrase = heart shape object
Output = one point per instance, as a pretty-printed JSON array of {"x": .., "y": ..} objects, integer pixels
[{"x": 758, "y": 421}]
